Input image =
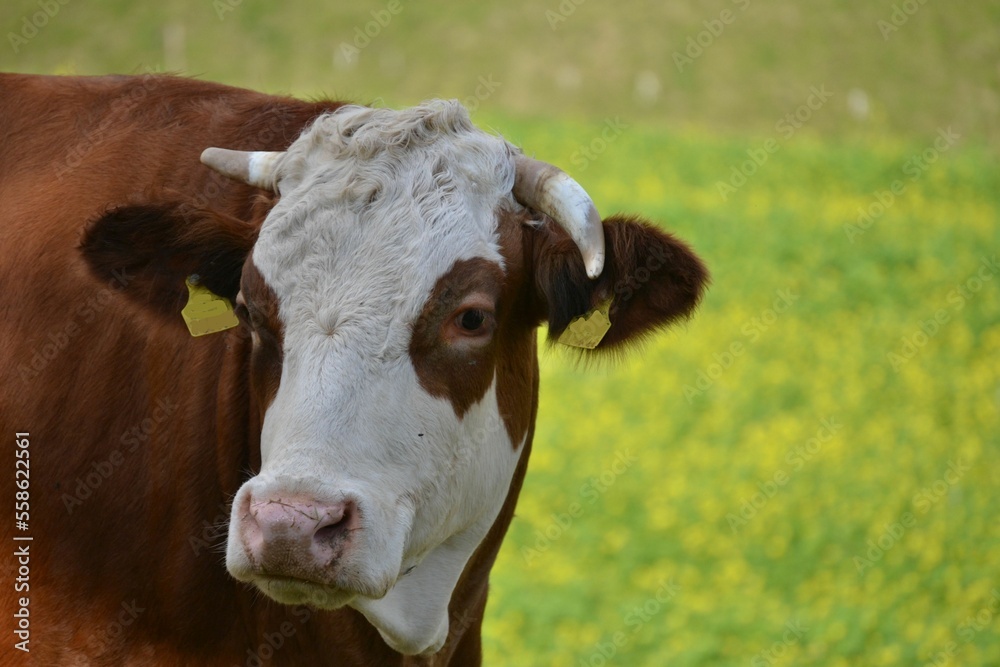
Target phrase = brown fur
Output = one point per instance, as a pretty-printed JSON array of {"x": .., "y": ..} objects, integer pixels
[
  {"x": 162, "y": 244},
  {"x": 260, "y": 313},
  {"x": 459, "y": 373},
  {"x": 106, "y": 210},
  {"x": 652, "y": 277}
]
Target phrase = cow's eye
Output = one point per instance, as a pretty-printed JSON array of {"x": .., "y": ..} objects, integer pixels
[
  {"x": 471, "y": 320},
  {"x": 472, "y": 324}
]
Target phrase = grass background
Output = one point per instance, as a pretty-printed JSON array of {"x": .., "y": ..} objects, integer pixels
[{"x": 673, "y": 559}]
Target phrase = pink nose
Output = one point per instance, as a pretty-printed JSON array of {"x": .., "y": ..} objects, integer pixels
[{"x": 289, "y": 535}]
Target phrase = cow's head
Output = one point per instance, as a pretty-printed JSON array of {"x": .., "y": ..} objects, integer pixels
[{"x": 392, "y": 295}]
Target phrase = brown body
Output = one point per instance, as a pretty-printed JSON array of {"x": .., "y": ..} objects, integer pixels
[
  {"x": 133, "y": 573},
  {"x": 140, "y": 435}
]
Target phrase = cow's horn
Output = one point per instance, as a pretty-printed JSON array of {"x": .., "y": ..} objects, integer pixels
[
  {"x": 546, "y": 188},
  {"x": 256, "y": 168}
]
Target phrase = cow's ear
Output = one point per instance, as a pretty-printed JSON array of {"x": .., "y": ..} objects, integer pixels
[
  {"x": 153, "y": 248},
  {"x": 651, "y": 278}
]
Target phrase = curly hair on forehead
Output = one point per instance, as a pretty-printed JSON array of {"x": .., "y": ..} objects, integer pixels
[{"x": 365, "y": 132}]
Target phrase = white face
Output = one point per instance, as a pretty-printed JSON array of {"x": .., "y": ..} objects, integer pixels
[{"x": 384, "y": 457}]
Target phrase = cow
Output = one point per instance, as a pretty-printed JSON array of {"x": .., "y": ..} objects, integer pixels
[{"x": 328, "y": 480}]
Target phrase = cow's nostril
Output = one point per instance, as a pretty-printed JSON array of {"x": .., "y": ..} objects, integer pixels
[
  {"x": 336, "y": 524},
  {"x": 299, "y": 536}
]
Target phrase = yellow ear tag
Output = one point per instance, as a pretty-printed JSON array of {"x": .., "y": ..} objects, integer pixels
[
  {"x": 587, "y": 331},
  {"x": 206, "y": 312}
]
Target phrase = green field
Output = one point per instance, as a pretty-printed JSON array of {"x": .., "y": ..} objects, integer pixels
[
  {"x": 807, "y": 472},
  {"x": 840, "y": 377}
]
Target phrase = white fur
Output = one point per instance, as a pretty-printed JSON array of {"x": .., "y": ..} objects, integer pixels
[
  {"x": 261, "y": 166},
  {"x": 351, "y": 274}
]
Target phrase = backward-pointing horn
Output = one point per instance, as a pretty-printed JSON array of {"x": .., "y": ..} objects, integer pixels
[
  {"x": 257, "y": 168},
  {"x": 546, "y": 188}
]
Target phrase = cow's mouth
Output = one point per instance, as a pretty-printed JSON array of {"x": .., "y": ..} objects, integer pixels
[{"x": 292, "y": 591}]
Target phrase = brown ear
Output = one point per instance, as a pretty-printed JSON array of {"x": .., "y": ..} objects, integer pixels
[
  {"x": 157, "y": 246},
  {"x": 653, "y": 277}
]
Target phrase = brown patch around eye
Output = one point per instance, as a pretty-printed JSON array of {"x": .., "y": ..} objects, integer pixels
[
  {"x": 446, "y": 368},
  {"x": 267, "y": 355},
  {"x": 510, "y": 353}
]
